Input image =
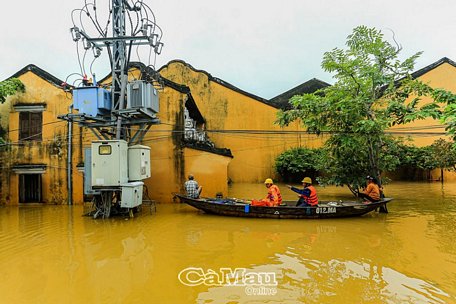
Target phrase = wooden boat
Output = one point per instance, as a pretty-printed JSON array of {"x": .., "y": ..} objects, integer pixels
[{"x": 325, "y": 209}]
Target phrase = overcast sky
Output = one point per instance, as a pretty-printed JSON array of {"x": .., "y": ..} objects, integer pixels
[{"x": 263, "y": 47}]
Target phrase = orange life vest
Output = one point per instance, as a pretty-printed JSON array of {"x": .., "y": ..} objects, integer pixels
[
  {"x": 312, "y": 199},
  {"x": 272, "y": 192}
]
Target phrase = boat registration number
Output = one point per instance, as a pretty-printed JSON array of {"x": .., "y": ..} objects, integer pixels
[{"x": 322, "y": 210}]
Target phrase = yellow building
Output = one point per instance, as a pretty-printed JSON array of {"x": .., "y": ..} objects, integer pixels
[
  {"x": 242, "y": 122},
  {"x": 34, "y": 162},
  {"x": 440, "y": 74}
]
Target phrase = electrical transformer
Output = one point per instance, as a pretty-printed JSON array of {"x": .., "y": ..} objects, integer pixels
[
  {"x": 92, "y": 101},
  {"x": 142, "y": 95},
  {"x": 131, "y": 194},
  {"x": 138, "y": 162},
  {"x": 109, "y": 163}
]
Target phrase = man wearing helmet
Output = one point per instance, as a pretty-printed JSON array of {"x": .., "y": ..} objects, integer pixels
[
  {"x": 273, "y": 199},
  {"x": 308, "y": 195}
]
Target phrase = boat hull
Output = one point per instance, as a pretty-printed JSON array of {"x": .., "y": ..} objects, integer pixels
[{"x": 232, "y": 207}]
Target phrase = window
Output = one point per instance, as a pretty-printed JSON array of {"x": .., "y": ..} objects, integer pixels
[
  {"x": 104, "y": 150},
  {"x": 30, "y": 125}
]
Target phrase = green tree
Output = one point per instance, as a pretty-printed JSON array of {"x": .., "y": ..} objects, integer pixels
[
  {"x": 413, "y": 158},
  {"x": 369, "y": 95},
  {"x": 294, "y": 164},
  {"x": 444, "y": 155},
  {"x": 10, "y": 87}
]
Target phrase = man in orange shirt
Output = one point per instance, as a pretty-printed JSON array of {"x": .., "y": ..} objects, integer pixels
[
  {"x": 372, "y": 191},
  {"x": 273, "y": 199}
]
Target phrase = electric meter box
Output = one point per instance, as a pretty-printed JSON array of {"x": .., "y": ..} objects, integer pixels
[
  {"x": 138, "y": 162},
  {"x": 92, "y": 101},
  {"x": 131, "y": 194},
  {"x": 142, "y": 95},
  {"x": 109, "y": 163}
]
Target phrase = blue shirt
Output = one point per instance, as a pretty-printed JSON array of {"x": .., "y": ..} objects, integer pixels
[{"x": 305, "y": 191}]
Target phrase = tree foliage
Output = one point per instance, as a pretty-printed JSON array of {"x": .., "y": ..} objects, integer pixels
[
  {"x": 320, "y": 164},
  {"x": 444, "y": 154},
  {"x": 373, "y": 91},
  {"x": 9, "y": 87},
  {"x": 296, "y": 163}
]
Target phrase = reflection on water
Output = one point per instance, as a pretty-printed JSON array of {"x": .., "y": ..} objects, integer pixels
[
  {"x": 51, "y": 254},
  {"x": 313, "y": 281}
]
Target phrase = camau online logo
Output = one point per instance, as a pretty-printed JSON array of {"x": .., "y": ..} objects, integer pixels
[{"x": 255, "y": 283}]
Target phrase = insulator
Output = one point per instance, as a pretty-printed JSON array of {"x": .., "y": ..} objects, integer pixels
[
  {"x": 158, "y": 48},
  {"x": 75, "y": 33}
]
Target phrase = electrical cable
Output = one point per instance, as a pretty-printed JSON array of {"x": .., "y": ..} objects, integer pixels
[{"x": 79, "y": 59}]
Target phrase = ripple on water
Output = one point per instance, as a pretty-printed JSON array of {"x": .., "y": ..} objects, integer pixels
[{"x": 333, "y": 281}]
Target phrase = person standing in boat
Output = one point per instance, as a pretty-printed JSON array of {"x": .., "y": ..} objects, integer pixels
[
  {"x": 274, "y": 197},
  {"x": 308, "y": 195},
  {"x": 372, "y": 190},
  {"x": 192, "y": 188}
]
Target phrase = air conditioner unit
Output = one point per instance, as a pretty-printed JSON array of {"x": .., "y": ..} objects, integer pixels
[
  {"x": 189, "y": 123},
  {"x": 142, "y": 95},
  {"x": 189, "y": 134}
]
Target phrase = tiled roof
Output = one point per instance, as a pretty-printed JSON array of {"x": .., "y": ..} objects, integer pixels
[
  {"x": 305, "y": 88},
  {"x": 41, "y": 73}
]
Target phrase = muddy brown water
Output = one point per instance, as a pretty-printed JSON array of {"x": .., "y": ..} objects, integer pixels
[{"x": 52, "y": 254}]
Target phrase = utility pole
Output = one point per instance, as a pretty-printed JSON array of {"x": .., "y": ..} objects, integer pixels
[
  {"x": 119, "y": 64},
  {"x": 117, "y": 120}
]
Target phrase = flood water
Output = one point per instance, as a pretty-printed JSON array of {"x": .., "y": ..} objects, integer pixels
[{"x": 52, "y": 254}]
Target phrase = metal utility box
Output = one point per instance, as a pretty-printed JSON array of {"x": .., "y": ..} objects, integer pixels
[
  {"x": 142, "y": 95},
  {"x": 92, "y": 101},
  {"x": 131, "y": 194},
  {"x": 88, "y": 172},
  {"x": 138, "y": 162},
  {"x": 109, "y": 163}
]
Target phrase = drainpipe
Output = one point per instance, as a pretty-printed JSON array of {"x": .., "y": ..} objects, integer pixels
[{"x": 69, "y": 159}]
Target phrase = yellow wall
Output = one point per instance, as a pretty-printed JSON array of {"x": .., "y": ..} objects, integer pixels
[
  {"x": 443, "y": 77},
  {"x": 247, "y": 124},
  {"x": 426, "y": 132},
  {"x": 209, "y": 170}
]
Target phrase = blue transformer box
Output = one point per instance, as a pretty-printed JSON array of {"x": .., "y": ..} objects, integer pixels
[{"x": 92, "y": 101}]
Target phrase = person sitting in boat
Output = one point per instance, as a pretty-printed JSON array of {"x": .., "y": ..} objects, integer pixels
[
  {"x": 192, "y": 188},
  {"x": 273, "y": 199},
  {"x": 372, "y": 190},
  {"x": 308, "y": 195}
]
